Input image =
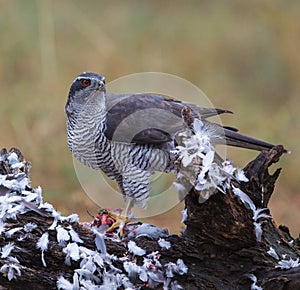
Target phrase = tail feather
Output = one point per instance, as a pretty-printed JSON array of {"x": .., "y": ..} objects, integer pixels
[{"x": 236, "y": 139}]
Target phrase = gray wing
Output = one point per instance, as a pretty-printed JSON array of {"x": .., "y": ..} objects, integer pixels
[{"x": 147, "y": 118}]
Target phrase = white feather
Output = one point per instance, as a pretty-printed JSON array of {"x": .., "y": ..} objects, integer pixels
[
  {"x": 62, "y": 234},
  {"x": 6, "y": 250},
  {"x": 164, "y": 244},
  {"x": 43, "y": 241},
  {"x": 135, "y": 249}
]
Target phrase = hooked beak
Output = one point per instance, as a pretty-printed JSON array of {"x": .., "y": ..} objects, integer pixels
[{"x": 101, "y": 85}]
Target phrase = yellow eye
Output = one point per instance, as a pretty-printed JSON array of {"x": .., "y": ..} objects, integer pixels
[{"x": 85, "y": 82}]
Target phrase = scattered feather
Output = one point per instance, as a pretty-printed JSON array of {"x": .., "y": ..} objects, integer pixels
[
  {"x": 29, "y": 196},
  {"x": 72, "y": 218},
  {"x": 87, "y": 284},
  {"x": 72, "y": 253},
  {"x": 17, "y": 165},
  {"x": 62, "y": 235},
  {"x": 13, "y": 259},
  {"x": 181, "y": 267},
  {"x": 84, "y": 252},
  {"x": 47, "y": 207},
  {"x": 10, "y": 233},
  {"x": 135, "y": 249},
  {"x": 15, "y": 210},
  {"x": 21, "y": 238},
  {"x": 147, "y": 230},
  {"x": 39, "y": 198},
  {"x": 257, "y": 214},
  {"x": 240, "y": 176},
  {"x": 64, "y": 284},
  {"x": 258, "y": 231},
  {"x": 254, "y": 286},
  {"x": 12, "y": 158},
  {"x": 175, "y": 286},
  {"x": 164, "y": 244},
  {"x": 43, "y": 241},
  {"x": 99, "y": 241},
  {"x": 10, "y": 270},
  {"x": 29, "y": 227},
  {"x": 98, "y": 260},
  {"x": 88, "y": 264},
  {"x": 288, "y": 264},
  {"x": 244, "y": 198},
  {"x": 228, "y": 167},
  {"x": 184, "y": 215},
  {"x": 273, "y": 253},
  {"x": 143, "y": 275},
  {"x": 155, "y": 279},
  {"x": 74, "y": 235},
  {"x": 76, "y": 282},
  {"x": 6, "y": 250},
  {"x": 43, "y": 259},
  {"x": 132, "y": 269},
  {"x": 85, "y": 274},
  {"x": 42, "y": 244},
  {"x": 170, "y": 269},
  {"x": 53, "y": 225}
]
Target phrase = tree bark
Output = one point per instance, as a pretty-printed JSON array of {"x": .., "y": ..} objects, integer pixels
[{"x": 219, "y": 245}]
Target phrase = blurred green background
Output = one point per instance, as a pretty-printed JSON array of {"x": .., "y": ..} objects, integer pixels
[{"x": 243, "y": 55}]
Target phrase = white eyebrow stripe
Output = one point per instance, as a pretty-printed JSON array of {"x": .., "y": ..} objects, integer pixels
[{"x": 91, "y": 78}]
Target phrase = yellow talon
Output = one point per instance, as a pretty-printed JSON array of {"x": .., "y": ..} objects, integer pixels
[
  {"x": 120, "y": 222},
  {"x": 122, "y": 219}
]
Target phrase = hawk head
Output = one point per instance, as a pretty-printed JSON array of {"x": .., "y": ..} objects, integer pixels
[{"x": 82, "y": 90}]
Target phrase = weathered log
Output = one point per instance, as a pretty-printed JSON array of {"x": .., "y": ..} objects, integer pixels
[
  {"x": 221, "y": 233},
  {"x": 224, "y": 246}
]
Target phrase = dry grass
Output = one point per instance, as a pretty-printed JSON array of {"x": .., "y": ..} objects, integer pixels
[{"x": 245, "y": 56}]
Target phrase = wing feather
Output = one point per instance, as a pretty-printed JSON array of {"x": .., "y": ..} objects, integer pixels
[{"x": 147, "y": 118}]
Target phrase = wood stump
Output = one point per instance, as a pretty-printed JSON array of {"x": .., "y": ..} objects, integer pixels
[{"x": 224, "y": 246}]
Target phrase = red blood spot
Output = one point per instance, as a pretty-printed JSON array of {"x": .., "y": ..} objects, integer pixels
[{"x": 103, "y": 219}]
